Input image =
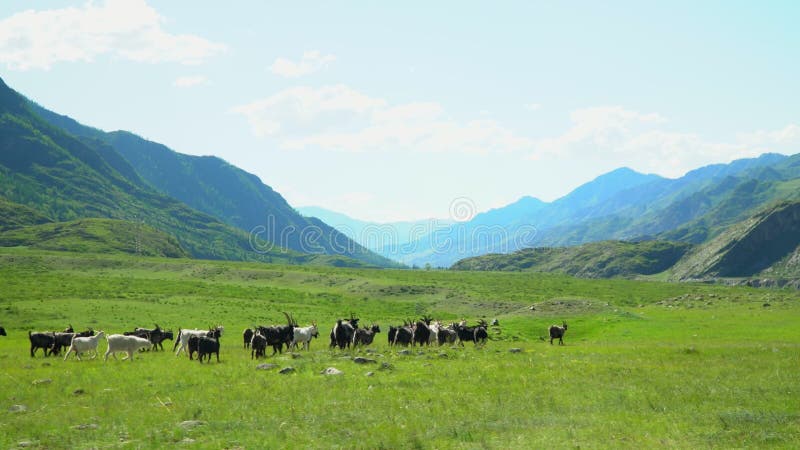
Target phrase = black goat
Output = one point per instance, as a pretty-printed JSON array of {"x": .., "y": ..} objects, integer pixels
[
  {"x": 422, "y": 332},
  {"x": 258, "y": 345},
  {"x": 557, "y": 332},
  {"x": 43, "y": 340},
  {"x": 446, "y": 335},
  {"x": 193, "y": 344},
  {"x": 3, "y": 331},
  {"x": 342, "y": 333},
  {"x": 481, "y": 335},
  {"x": 247, "y": 335},
  {"x": 404, "y": 335},
  {"x": 207, "y": 346},
  {"x": 464, "y": 332},
  {"x": 156, "y": 336},
  {"x": 392, "y": 333},
  {"x": 365, "y": 336},
  {"x": 279, "y": 335}
]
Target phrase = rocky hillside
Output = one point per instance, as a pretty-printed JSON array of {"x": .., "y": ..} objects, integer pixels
[{"x": 764, "y": 244}]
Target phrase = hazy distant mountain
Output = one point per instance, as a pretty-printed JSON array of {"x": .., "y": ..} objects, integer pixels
[
  {"x": 384, "y": 238},
  {"x": 621, "y": 205}
]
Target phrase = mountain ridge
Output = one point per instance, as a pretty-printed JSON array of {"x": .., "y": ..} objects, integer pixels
[{"x": 214, "y": 187}]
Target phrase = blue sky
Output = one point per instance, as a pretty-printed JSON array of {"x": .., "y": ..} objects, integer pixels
[{"x": 388, "y": 111}]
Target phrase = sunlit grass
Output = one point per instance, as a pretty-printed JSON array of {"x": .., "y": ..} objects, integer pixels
[{"x": 646, "y": 364}]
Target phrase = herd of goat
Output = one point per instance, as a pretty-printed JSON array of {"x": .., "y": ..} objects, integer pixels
[{"x": 346, "y": 333}]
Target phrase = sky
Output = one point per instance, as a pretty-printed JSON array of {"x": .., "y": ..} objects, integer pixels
[{"x": 390, "y": 111}]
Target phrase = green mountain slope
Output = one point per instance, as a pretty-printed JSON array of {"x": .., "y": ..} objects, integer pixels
[
  {"x": 594, "y": 260},
  {"x": 65, "y": 178},
  {"x": 765, "y": 243},
  {"x": 14, "y": 215},
  {"x": 219, "y": 189},
  {"x": 95, "y": 236}
]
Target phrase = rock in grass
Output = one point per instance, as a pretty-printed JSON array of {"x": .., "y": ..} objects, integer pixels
[
  {"x": 78, "y": 392},
  {"x": 191, "y": 424},
  {"x": 266, "y": 366},
  {"x": 515, "y": 350},
  {"x": 85, "y": 426},
  {"x": 25, "y": 444},
  {"x": 286, "y": 370},
  {"x": 296, "y": 355},
  {"x": 187, "y": 440},
  {"x": 332, "y": 371},
  {"x": 360, "y": 360},
  {"x": 369, "y": 374},
  {"x": 404, "y": 352},
  {"x": 443, "y": 355},
  {"x": 17, "y": 408},
  {"x": 386, "y": 366},
  {"x": 42, "y": 381}
]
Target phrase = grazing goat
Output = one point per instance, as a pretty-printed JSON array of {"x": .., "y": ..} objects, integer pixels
[
  {"x": 84, "y": 344},
  {"x": 481, "y": 335},
  {"x": 557, "y": 332},
  {"x": 193, "y": 346},
  {"x": 157, "y": 339},
  {"x": 279, "y": 335},
  {"x": 464, "y": 332},
  {"x": 303, "y": 335},
  {"x": 447, "y": 335},
  {"x": 435, "y": 327},
  {"x": 64, "y": 339},
  {"x": 208, "y": 346},
  {"x": 404, "y": 335},
  {"x": 156, "y": 336},
  {"x": 422, "y": 332},
  {"x": 258, "y": 346},
  {"x": 3, "y": 331},
  {"x": 365, "y": 336},
  {"x": 183, "y": 337},
  {"x": 342, "y": 332},
  {"x": 125, "y": 343},
  {"x": 43, "y": 340},
  {"x": 392, "y": 333},
  {"x": 247, "y": 335}
]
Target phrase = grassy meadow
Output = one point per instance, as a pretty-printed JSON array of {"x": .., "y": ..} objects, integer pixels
[{"x": 646, "y": 364}]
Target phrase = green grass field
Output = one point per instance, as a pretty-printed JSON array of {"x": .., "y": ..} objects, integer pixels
[{"x": 646, "y": 364}]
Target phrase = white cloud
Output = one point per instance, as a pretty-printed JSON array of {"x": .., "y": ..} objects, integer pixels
[
  {"x": 340, "y": 118},
  {"x": 303, "y": 108},
  {"x": 312, "y": 61},
  {"x": 642, "y": 141},
  {"x": 126, "y": 29},
  {"x": 532, "y": 106},
  {"x": 190, "y": 81}
]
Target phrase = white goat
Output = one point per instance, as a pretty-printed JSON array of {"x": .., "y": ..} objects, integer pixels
[
  {"x": 128, "y": 344},
  {"x": 303, "y": 336},
  {"x": 184, "y": 335},
  {"x": 84, "y": 344},
  {"x": 434, "y": 337}
]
